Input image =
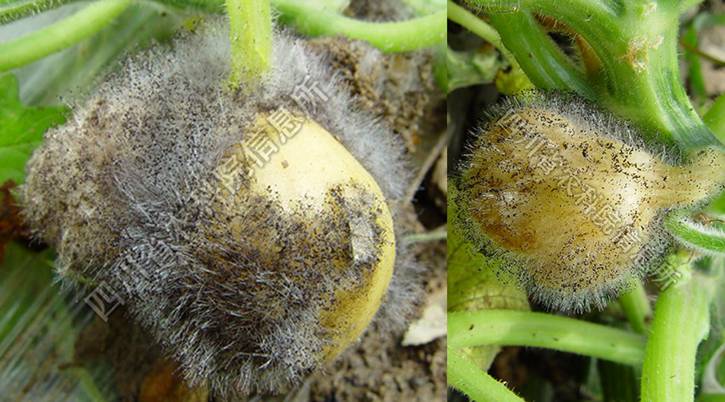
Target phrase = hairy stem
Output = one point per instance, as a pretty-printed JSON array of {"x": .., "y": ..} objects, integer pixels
[
  {"x": 636, "y": 307},
  {"x": 518, "y": 328},
  {"x": 309, "y": 19},
  {"x": 61, "y": 34},
  {"x": 464, "y": 18},
  {"x": 250, "y": 35},
  {"x": 413, "y": 34},
  {"x": 19, "y": 9},
  {"x": 478, "y": 385},
  {"x": 681, "y": 321},
  {"x": 708, "y": 240},
  {"x": 542, "y": 60},
  {"x": 637, "y": 74},
  {"x": 416, "y": 33}
]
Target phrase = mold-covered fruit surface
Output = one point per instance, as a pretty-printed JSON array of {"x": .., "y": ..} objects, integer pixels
[
  {"x": 343, "y": 219},
  {"x": 251, "y": 232},
  {"x": 574, "y": 199},
  {"x": 240, "y": 200}
]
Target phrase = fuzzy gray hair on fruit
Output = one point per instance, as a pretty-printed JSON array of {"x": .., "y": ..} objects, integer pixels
[
  {"x": 125, "y": 192},
  {"x": 574, "y": 199}
]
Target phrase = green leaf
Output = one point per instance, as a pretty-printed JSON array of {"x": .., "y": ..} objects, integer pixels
[{"x": 21, "y": 129}]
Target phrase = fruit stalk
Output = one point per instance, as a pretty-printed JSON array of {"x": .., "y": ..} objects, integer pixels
[
  {"x": 250, "y": 35},
  {"x": 636, "y": 307}
]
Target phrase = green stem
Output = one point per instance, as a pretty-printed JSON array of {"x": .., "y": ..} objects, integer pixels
[
  {"x": 19, "y": 9},
  {"x": 503, "y": 327},
  {"x": 681, "y": 321},
  {"x": 399, "y": 36},
  {"x": 413, "y": 34},
  {"x": 433, "y": 235},
  {"x": 589, "y": 7},
  {"x": 542, "y": 60},
  {"x": 637, "y": 47},
  {"x": 478, "y": 385},
  {"x": 707, "y": 240},
  {"x": 61, "y": 34},
  {"x": 250, "y": 35},
  {"x": 464, "y": 18},
  {"x": 416, "y": 33},
  {"x": 636, "y": 307}
]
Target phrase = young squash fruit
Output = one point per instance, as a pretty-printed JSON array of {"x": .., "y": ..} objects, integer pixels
[
  {"x": 251, "y": 232},
  {"x": 573, "y": 199}
]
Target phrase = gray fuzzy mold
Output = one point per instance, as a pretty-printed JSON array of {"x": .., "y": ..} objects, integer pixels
[
  {"x": 567, "y": 267},
  {"x": 116, "y": 191}
]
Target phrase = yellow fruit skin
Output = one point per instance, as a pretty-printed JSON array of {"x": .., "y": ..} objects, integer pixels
[
  {"x": 303, "y": 171},
  {"x": 577, "y": 208}
]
